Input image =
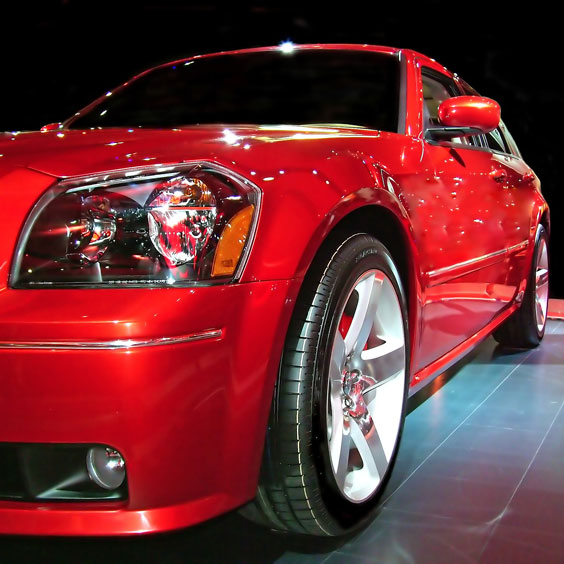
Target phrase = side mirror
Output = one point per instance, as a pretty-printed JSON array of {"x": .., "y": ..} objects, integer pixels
[
  {"x": 464, "y": 116},
  {"x": 51, "y": 127}
]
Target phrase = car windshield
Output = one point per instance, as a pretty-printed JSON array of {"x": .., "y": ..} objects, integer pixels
[{"x": 356, "y": 88}]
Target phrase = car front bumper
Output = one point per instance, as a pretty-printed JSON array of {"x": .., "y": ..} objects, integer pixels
[{"x": 188, "y": 415}]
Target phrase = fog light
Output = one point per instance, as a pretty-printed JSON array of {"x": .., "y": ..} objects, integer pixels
[{"x": 106, "y": 467}]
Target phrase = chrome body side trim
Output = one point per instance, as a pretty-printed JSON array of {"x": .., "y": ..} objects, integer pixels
[
  {"x": 118, "y": 344},
  {"x": 456, "y": 270}
]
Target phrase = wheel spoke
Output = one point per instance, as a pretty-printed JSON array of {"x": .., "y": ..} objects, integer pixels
[
  {"x": 369, "y": 446},
  {"x": 370, "y": 317},
  {"x": 340, "y": 451},
  {"x": 336, "y": 380},
  {"x": 337, "y": 428},
  {"x": 335, "y": 397},
  {"x": 337, "y": 357},
  {"x": 542, "y": 277},
  {"x": 540, "y": 313},
  {"x": 364, "y": 315},
  {"x": 382, "y": 362},
  {"x": 339, "y": 442}
]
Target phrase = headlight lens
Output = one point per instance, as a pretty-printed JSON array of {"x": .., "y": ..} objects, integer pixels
[
  {"x": 173, "y": 225},
  {"x": 182, "y": 214}
]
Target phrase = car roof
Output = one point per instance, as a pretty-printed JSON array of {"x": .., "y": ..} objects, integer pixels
[{"x": 423, "y": 59}]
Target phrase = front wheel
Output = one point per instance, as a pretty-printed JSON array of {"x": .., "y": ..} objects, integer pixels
[{"x": 339, "y": 403}]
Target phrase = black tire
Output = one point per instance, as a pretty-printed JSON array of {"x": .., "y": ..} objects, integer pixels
[
  {"x": 299, "y": 491},
  {"x": 525, "y": 328}
]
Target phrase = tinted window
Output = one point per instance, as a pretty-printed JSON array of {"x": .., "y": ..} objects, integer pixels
[
  {"x": 500, "y": 139},
  {"x": 509, "y": 140},
  {"x": 495, "y": 141},
  {"x": 304, "y": 87},
  {"x": 437, "y": 89},
  {"x": 434, "y": 93}
]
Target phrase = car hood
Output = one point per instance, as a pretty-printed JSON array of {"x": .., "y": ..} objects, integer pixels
[{"x": 68, "y": 153}]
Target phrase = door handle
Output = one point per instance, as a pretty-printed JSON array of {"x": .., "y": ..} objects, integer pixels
[
  {"x": 527, "y": 178},
  {"x": 499, "y": 174}
]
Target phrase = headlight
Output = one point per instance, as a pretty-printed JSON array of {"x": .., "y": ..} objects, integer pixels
[{"x": 170, "y": 225}]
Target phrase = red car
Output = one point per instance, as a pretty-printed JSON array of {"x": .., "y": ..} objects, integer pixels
[{"x": 220, "y": 282}]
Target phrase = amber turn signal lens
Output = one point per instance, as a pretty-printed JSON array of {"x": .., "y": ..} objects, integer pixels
[{"x": 231, "y": 243}]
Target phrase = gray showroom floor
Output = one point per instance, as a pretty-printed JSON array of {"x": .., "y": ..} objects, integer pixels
[{"x": 479, "y": 478}]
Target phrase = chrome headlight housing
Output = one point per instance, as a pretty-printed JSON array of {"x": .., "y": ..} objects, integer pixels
[{"x": 170, "y": 225}]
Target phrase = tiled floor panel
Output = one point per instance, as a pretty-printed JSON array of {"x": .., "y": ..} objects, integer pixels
[{"x": 479, "y": 478}]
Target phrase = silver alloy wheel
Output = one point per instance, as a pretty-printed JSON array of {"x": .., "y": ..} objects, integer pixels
[
  {"x": 541, "y": 285},
  {"x": 367, "y": 385}
]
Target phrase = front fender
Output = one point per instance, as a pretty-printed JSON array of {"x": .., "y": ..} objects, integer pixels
[{"x": 301, "y": 207}]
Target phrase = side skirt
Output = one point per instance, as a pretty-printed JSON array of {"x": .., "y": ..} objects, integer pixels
[{"x": 431, "y": 371}]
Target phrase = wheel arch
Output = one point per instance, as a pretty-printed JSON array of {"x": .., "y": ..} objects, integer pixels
[
  {"x": 384, "y": 226},
  {"x": 393, "y": 230}
]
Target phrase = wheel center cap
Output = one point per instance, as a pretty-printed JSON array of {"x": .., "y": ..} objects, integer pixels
[{"x": 354, "y": 384}]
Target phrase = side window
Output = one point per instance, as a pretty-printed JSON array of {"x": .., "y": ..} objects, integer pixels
[
  {"x": 499, "y": 139},
  {"x": 436, "y": 89},
  {"x": 496, "y": 141},
  {"x": 509, "y": 140},
  {"x": 434, "y": 92}
]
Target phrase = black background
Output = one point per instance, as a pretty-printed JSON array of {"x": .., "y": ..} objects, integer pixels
[{"x": 58, "y": 55}]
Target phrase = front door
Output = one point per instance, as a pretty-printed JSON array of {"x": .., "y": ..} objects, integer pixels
[{"x": 471, "y": 226}]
